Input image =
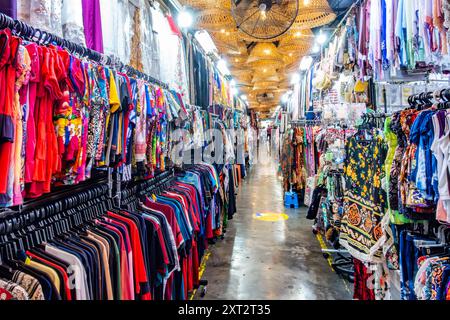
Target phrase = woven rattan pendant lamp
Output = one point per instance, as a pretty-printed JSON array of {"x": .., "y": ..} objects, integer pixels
[
  {"x": 265, "y": 85},
  {"x": 295, "y": 34},
  {"x": 284, "y": 85},
  {"x": 263, "y": 78},
  {"x": 264, "y": 51},
  {"x": 224, "y": 36},
  {"x": 215, "y": 19},
  {"x": 244, "y": 77},
  {"x": 298, "y": 42},
  {"x": 243, "y": 72},
  {"x": 205, "y": 4},
  {"x": 314, "y": 13},
  {"x": 239, "y": 61},
  {"x": 265, "y": 74},
  {"x": 242, "y": 49},
  {"x": 292, "y": 57},
  {"x": 265, "y": 55},
  {"x": 225, "y": 41}
]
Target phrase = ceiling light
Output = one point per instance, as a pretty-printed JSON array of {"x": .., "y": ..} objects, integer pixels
[
  {"x": 222, "y": 66},
  {"x": 267, "y": 51},
  {"x": 205, "y": 41},
  {"x": 306, "y": 63},
  {"x": 295, "y": 78},
  {"x": 290, "y": 54},
  {"x": 185, "y": 19},
  {"x": 298, "y": 34},
  {"x": 316, "y": 49},
  {"x": 321, "y": 38}
]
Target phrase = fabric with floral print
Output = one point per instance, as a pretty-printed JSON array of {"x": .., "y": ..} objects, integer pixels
[{"x": 365, "y": 200}]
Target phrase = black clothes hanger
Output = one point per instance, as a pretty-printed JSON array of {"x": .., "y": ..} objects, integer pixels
[{"x": 23, "y": 232}]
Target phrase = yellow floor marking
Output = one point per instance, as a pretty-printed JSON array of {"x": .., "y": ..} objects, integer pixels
[
  {"x": 201, "y": 271},
  {"x": 271, "y": 216},
  {"x": 330, "y": 260}
]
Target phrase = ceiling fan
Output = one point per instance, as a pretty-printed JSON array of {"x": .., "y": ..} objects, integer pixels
[{"x": 264, "y": 19}]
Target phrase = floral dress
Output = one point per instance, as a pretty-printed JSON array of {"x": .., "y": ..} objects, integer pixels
[{"x": 365, "y": 200}]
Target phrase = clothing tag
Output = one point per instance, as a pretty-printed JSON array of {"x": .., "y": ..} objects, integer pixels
[
  {"x": 27, "y": 261},
  {"x": 154, "y": 197}
]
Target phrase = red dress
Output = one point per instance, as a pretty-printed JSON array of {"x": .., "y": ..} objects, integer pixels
[{"x": 9, "y": 46}]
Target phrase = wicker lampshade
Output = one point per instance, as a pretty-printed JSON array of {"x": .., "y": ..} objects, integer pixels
[
  {"x": 265, "y": 74},
  {"x": 227, "y": 48},
  {"x": 264, "y": 78},
  {"x": 259, "y": 91},
  {"x": 270, "y": 101},
  {"x": 296, "y": 41},
  {"x": 294, "y": 34},
  {"x": 224, "y": 36},
  {"x": 265, "y": 85},
  {"x": 263, "y": 63},
  {"x": 284, "y": 85},
  {"x": 264, "y": 50},
  {"x": 299, "y": 48},
  {"x": 314, "y": 13},
  {"x": 244, "y": 78},
  {"x": 225, "y": 41},
  {"x": 205, "y": 4},
  {"x": 264, "y": 106},
  {"x": 243, "y": 72},
  {"x": 196, "y": 4},
  {"x": 238, "y": 61},
  {"x": 292, "y": 57},
  {"x": 223, "y": 4},
  {"x": 215, "y": 19},
  {"x": 267, "y": 71},
  {"x": 249, "y": 38},
  {"x": 241, "y": 49}
]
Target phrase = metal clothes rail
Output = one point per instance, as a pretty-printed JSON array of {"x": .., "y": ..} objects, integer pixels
[{"x": 29, "y": 33}]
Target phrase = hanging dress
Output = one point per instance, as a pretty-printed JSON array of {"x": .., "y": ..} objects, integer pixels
[{"x": 364, "y": 201}]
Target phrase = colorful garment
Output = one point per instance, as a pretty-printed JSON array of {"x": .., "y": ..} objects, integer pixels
[{"x": 365, "y": 199}]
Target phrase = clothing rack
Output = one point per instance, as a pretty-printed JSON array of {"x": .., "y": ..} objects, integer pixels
[
  {"x": 424, "y": 99},
  {"x": 142, "y": 188},
  {"x": 56, "y": 203},
  {"x": 29, "y": 33},
  {"x": 41, "y": 224},
  {"x": 371, "y": 120},
  {"x": 58, "y": 194},
  {"x": 371, "y": 116}
]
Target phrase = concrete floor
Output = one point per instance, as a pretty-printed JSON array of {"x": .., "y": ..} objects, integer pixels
[{"x": 261, "y": 260}]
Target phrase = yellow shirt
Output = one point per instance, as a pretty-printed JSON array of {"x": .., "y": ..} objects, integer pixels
[{"x": 52, "y": 275}]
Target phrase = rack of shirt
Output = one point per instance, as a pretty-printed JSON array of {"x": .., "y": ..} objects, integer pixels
[
  {"x": 418, "y": 196},
  {"x": 85, "y": 247}
]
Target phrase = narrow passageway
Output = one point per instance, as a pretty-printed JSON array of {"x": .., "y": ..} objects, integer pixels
[{"x": 261, "y": 259}]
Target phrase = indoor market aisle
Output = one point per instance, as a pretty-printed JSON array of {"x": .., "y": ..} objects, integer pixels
[{"x": 270, "y": 260}]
